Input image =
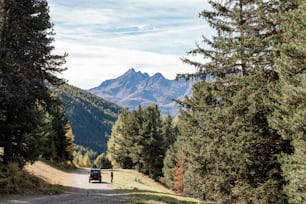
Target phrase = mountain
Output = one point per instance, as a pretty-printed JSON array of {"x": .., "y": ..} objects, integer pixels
[
  {"x": 136, "y": 88},
  {"x": 91, "y": 117}
]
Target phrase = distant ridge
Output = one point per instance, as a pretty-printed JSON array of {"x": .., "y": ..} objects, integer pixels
[
  {"x": 136, "y": 88},
  {"x": 91, "y": 117}
]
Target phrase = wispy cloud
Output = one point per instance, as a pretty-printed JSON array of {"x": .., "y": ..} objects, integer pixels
[{"x": 105, "y": 38}]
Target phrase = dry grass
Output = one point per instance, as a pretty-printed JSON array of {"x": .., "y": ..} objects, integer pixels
[
  {"x": 13, "y": 180},
  {"x": 49, "y": 174},
  {"x": 132, "y": 180},
  {"x": 142, "y": 189}
]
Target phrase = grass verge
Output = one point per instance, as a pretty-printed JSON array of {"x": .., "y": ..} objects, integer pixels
[
  {"x": 142, "y": 189},
  {"x": 13, "y": 180}
]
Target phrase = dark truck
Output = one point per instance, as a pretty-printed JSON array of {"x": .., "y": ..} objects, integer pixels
[{"x": 95, "y": 175}]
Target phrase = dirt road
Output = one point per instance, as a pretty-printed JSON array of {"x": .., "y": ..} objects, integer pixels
[{"x": 82, "y": 192}]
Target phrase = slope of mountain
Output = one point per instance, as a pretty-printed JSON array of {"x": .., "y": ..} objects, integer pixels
[
  {"x": 91, "y": 117},
  {"x": 135, "y": 88}
]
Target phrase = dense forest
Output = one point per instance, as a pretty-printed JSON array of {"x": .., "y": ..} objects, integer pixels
[
  {"x": 91, "y": 117},
  {"x": 86, "y": 157},
  {"x": 140, "y": 139}
]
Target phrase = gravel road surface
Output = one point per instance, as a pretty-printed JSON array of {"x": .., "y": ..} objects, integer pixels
[{"x": 82, "y": 192}]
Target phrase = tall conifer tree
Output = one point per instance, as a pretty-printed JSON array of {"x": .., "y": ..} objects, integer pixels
[
  {"x": 27, "y": 68},
  {"x": 153, "y": 152},
  {"x": 231, "y": 151},
  {"x": 118, "y": 145}
]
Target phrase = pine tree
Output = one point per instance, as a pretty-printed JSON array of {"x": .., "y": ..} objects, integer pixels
[
  {"x": 169, "y": 132},
  {"x": 241, "y": 43},
  {"x": 36, "y": 141},
  {"x": 27, "y": 67},
  {"x": 231, "y": 152},
  {"x": 169, "y": 166},
  {"x": 137, "y": 140},
  {"x": 205, "y": 145},
  {"x": 63, "y": 137},
  {"x": 289, "y": 117},
  {"x": 153, "y": 152},
  {"x": 134, "y": 129},
  {"x": 118, "y": 145}
]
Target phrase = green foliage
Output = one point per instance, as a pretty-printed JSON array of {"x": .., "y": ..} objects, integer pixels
[
  {"x": 169, "y": 167},
  {"x": 91, "y": 117},
  {"x": 140, "y": 139},
  {"x": 83, "y": 156},
  {"x": 102, "y": 162},
  {"x": 61, "y": 140},
  {"x": 27, "y": 70},
  {"x": 169, "y": 131},
  {"x": 69, "y": 141},
  {"x": 242, "y": 41},
  {"x": 230, "y": 151},
  {"x": 117, "y": 150},
  {"x": 289, "y": 117}
]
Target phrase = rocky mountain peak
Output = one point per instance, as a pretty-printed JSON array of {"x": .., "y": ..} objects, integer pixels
[{"x": 136, "y": 88}]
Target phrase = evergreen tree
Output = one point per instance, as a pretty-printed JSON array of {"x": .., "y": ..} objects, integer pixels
[
  {"x": 204, "y": 142},
  {"x": 27, "y": 67},
  {"x": 169, "y": 131},
  {"x": 60, "y": 127},
  {"x": 140, "y": 139},
  {"x": 36, "y": 141},
  {"x": 231, "y": 152},
  {"x": 241, "y": 43},
  {"x": 174, "y": 165},
  {"x": 169, "y": 166},
  {"x": 153, "y": 152},
  {"x": 136, "y": 138},
  {"x": 289, "y": 117},
  {"x": 118, "y": 146}
]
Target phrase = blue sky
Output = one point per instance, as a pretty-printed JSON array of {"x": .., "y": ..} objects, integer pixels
[{"x": 105, "y": 38}]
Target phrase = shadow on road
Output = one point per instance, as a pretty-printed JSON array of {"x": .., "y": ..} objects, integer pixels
[
  {"x": 142, "y": 196},
  {"x": 97, "y": 182},
  {"x": 75, "y": 195}
]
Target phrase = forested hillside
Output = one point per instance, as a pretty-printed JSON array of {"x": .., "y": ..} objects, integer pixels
[{"x": 91, "y": 117}]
